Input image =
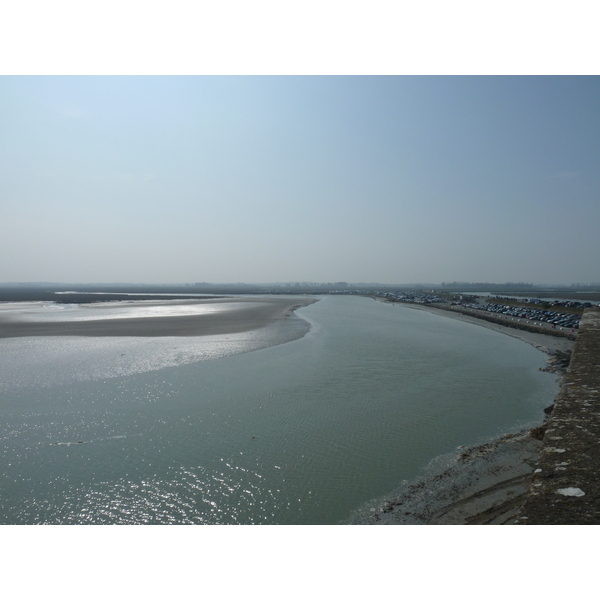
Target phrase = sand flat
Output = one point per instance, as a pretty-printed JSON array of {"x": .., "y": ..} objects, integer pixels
[{"x": 226, "y": 315}]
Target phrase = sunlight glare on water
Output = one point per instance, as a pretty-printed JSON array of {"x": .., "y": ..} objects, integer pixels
[{"x": 296, "y": 433}]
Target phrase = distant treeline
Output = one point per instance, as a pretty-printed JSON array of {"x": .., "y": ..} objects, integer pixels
[
  {"x": 84, "y": 293},
  {"x": 516, "y": 287}
]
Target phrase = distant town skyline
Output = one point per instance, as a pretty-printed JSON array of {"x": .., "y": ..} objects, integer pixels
[{"x": 393, "y": 179}]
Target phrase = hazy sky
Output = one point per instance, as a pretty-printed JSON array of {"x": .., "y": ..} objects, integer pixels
[{"x": 397, "y": 179}]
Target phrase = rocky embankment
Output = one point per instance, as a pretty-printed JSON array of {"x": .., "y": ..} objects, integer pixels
[
  {"x": 480, "y": 485},
  {"x": 565, "y": 488}
]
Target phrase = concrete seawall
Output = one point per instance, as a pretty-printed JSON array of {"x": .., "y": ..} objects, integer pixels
[{"x": 565, "y": 489}]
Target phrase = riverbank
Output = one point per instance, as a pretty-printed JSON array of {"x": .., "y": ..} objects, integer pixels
[
  {"x": 542, "y": 341},
  {"x": 479, "y": 485}
]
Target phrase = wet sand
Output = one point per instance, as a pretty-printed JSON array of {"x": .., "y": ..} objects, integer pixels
[
  {"x": 216, "y": 316},
  {"x": 478, "y": 485}
]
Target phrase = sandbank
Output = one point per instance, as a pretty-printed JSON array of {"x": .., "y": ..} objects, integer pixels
[{"x": 214, "y": 316}]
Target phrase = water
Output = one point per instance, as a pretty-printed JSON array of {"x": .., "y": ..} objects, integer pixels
[{"x": 302, "y": 432}]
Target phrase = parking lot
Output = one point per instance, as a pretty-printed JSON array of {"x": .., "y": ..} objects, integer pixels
[{"x": 546, "y": 319}]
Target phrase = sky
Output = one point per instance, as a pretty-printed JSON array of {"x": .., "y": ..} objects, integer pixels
[{"x": 256, "y": 179}]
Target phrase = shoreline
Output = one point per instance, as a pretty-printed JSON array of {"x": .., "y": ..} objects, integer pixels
[
  {"x": 544, "y": 342},
  {"x": 485, "y": 484},
  {"x": 476, "y": 485}
]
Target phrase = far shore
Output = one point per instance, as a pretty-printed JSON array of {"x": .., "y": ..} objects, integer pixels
[
  {"x": 231, "y": 315},
  {"x": 545, "y": 343}
]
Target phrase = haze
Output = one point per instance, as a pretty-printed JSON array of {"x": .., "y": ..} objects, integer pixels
[{"x": 393, "y": 179}]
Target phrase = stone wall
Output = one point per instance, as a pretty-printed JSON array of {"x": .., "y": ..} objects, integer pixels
[{"x": 565, "y": 489}]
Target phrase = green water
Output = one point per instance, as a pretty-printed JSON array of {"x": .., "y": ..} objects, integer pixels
[{"x": 303, "y": 432}]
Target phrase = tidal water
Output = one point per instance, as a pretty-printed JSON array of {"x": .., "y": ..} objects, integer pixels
[{"x": 225, "y": 431}]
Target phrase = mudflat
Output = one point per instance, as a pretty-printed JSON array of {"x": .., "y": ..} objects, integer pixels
[{"x": 212, "y": 317}]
